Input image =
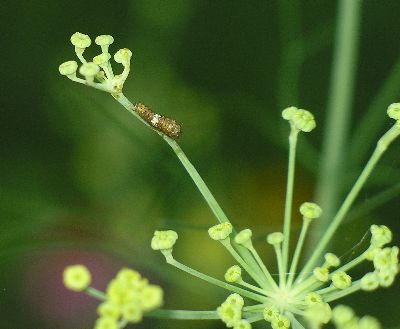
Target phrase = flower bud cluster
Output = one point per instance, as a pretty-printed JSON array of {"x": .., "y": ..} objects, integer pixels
[
  {"x": 385, "y": 260},
  {"x": 299, "y": 119},
  {"x": 278, "y": 321},
  {"x": 230, "y": 312},
  {"x": 97, "y": 73},
  {"x": 344, "y": 317},
  {"x": 128, "y": 296}
]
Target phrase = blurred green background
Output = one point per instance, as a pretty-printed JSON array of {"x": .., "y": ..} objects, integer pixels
[{"x": 84, "y": 182}]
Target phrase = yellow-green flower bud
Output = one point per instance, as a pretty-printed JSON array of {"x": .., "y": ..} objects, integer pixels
[
  {"x": 132, "y": 312},
  {"x": 123, "y": 56},
  {"x": 68, "y": 68},
  {"x": 369, "y": 281},
  {"x": 386, "y": 278},
  {"x": 243, "y": 237},
  {"x": 151, "y": 297},
  {"x": 275, "y": 238},
  {"x": 77, "y": 277},
  {"x": 310, "y": 210},
  {"x": 233, "y": 274},
  {"x": 235, "y": 300},
  {"x": 163, "y": 240},
  {"x": 299, "y": 119},
  {"x": 89, "y": 70},
  {"x": 220, "y": 231},
  {"x": 104, "y": 41},
  {"x": 321, "y": 274},
  {"x": 331, "y": 260},
  {"x": 118, "y": 293},
  {"x": 109, "y": 310},
  {"x": 386, "y": 258},
  {"x": 303, "y": 120},
  {"x": 129, "y": 276},
  {"x": 313, "y": 298},
  {"x": 319, "y": 313},
  {"x": 393, "y": 111},
  {"x": 106, "y": 323},
  {"x": 80, "y": 40},
  {"x": 369, "y": 322},
  {"x": 371, "y": 253},
  {"x": 381, "y": 235},
  {"x": 341, "y": 280},
  {"x": 101, "y": 59},
  {"x": 270, "y": 313},
  {"x": 341, "y": 315},
  {"x": 229, "y": 314},
  {"x": 280, "y": 322},
  {"x": 242, "y": 324},
  {"x": 289, "y": 112}
]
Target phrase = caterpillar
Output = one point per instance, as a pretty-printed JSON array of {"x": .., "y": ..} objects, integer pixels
[{"x": 163, "y": 124}]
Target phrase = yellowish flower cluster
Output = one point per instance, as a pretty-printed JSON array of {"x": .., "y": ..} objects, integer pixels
[
  {"x": 230, "y": 312},
  {"x": 97, "y": 73},
  {"x": 128, "y": 297}
]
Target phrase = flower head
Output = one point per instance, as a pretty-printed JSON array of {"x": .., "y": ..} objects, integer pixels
[
  {"x": 220, "y": 231},
  {"x": 99, "y": 73},
  {"x": 163, "y": 240},
  {"x": 77, "y": 277}
]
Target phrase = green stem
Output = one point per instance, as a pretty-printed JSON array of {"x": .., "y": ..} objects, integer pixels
[
  {"x": 336, "y": 295},
  {"x": 183, "y": 315},
  {"x": 351, "y": 264},
  {"x": 282, "y": 273},
  {"x": 300, "y": 243},
  {"x": 227, "y": 244},
  {"x": 201, "y": 185},
  {"x": 255, "y": 288},
  {"x": 93, "y": 292},
  {"x": 260, "y": 263},
  {"x": 191, "y": 170},
  {"x": 289, "y": 200},
  {"x": 339, "y": 106},
  {"x": 217, "y": 282},
  {"x": 372, "y": 121},
  {"x": 380, "y": 149}
]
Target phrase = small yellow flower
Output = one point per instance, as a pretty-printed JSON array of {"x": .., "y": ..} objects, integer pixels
[
  {"x": 132, "y": 312},
  {"x": 310, "y": 210},
  {"x": 341, "y": 280},
  {"x": 242, "y": 324},
  {"x": 106, "y": 323},
  {"x": 233, "y": 274},
  {"x": 280, "y": 322},
  {"x": 220, "y": 231},
  {"x": 321, "y": 274},
  {"x": 109, "y": 310},
  {"x": 77, "y": 277},
  {"x": 313, "y": 298},
  {"x": 163, "y": 240},
  {"x": 275, "y": 238},
  {"x": 151, "y": 298},
  {"x": 230, "y": 314},
  {"x": 270, "y": 313}
]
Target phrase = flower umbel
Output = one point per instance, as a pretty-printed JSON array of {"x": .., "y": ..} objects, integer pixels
[
  {"x": 127, "y": 298},
  {"x": 305, "y": 296},
  {"x": 291, "y": 300},
  {"x": 98, "y": 73}
]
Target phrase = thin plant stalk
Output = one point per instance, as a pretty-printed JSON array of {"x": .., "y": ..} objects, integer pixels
[{"x": 339, "y": 108}]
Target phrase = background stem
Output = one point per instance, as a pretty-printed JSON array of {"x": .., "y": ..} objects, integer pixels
[{"x": 339, "y": 110}]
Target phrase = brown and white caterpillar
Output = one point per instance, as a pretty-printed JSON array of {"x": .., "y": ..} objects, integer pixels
[{"x": 163, "y": 124}]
